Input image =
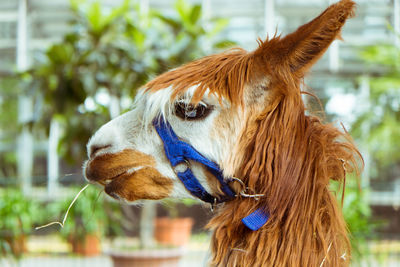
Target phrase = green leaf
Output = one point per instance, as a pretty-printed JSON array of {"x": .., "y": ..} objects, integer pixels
[
  {"x": 182, "y": 8},
  {"x": 59, "y": 54},
  {"x": 117, "y": 12},
  {"x": 175, "y": 24},
  {"x": 385, "y": 54},
  {"x": 225, "y": 44},
  {"x": 381, "y": 85},
  {"x": 75, "y": 4},
  {"x": 218, "y": 25},
  {"x": 195, "y": 14}
]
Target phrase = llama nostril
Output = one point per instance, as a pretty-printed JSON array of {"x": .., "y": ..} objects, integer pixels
[{"x": 96, "y": 148}]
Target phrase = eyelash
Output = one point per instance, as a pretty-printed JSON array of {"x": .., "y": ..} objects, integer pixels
[{"x": 192, "y": 112}]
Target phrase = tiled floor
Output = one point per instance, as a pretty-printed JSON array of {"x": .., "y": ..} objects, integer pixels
[
  {"x": 52, "y": 252},
  {"x": 191, "y": 259}
]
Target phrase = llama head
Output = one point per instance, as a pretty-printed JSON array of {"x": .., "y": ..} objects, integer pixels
[{"x": 233, "y": 108}]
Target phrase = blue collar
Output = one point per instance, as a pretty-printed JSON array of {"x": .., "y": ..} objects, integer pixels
[{"x": 179, "y": 152}]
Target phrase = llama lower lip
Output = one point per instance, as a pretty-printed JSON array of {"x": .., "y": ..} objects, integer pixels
[
  {"x": 113, "y": 185},
  {"x": 113, "y": 195},
  {"x": 111, "y": 189}
]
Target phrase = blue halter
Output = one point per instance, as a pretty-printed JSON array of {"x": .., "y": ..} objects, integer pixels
[{"x": 179, "y": 152}]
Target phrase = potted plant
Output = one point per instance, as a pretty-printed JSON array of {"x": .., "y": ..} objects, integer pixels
[
  {"x": 86, "y": 222},
  {"x": 146, "y": 257},
  {"x": 18, "y": 215},
  {"x": 172, "y": 229},
  {"x": 171, "y": 233},
  {"x": 146, "y": 253}
]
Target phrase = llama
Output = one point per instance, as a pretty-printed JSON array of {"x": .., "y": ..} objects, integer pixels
[{"x": 231, "y": 129}]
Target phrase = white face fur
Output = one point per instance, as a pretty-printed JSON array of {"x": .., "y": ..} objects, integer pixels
[{"x": 211, "y": 128}]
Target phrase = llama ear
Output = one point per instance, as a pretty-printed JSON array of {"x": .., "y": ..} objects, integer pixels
[{"x": 299, "y": 50}]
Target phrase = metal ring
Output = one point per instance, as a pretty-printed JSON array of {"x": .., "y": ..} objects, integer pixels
[
  {"x": 245, "y": 189},
  {"x": 184, "y": 162},
  {"x": 235, "y": 179}
]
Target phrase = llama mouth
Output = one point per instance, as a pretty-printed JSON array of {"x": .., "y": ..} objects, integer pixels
[
  {"x": 113, "y": 185},
  {"x": 143, "y": 183},
  {"x": 127, "y": 171},
  {"x": 107, "y": 181},
  {"x": 115, "y": 177}
]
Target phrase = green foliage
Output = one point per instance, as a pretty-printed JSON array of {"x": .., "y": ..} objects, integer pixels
[
  {"x": 357, "y": 214},
  {"x": 8, "y": 102},
  {"x": 91, "y": 214},
  {"x": 172, "y": 205},
  {"x": 8, "y": 130},
  {"x": 18, "y": 215},
  {"x": 189, "y": 37},
  {"x": 109, "y": 54},
  {"x": 382, "y": 119},
  {"x": 378, "y": 127}
]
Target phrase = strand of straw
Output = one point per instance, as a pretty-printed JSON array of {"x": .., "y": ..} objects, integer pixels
[
  {"x": 323, "y": 261},
  {"x": 66, "y": 214}
]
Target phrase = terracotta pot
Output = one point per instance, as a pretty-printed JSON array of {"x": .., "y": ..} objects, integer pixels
[
  {"x": 168, "y": 257},
  {"x": 17, "y": 245},
  {"x": 89, "y": 246},
  {"x": 174, "y": 232}
]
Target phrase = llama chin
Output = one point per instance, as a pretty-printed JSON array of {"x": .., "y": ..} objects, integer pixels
[{"x": 231, "y": 129}]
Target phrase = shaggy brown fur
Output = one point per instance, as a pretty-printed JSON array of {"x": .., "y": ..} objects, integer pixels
[
  {"x": 290, "y": 159},
  {"x": 225, "y": 75},
  {"x": 287, "y": 155}
]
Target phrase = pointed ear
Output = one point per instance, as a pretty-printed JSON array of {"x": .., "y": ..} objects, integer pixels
[{"x": 299, "y": 50}]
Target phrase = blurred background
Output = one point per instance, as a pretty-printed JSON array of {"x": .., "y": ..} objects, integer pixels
[{"x": 69, "y": 66}]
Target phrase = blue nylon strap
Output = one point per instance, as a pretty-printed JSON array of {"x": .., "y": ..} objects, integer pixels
[
  {"x": 256, "y": 219},
  {"x": 179, "y": 152},
  {"x": 194, "y": 187}
]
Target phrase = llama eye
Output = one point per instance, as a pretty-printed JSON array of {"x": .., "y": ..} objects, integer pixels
[{"x": 191, "y": 112}]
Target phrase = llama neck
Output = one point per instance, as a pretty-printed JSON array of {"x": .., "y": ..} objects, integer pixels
[
  {"x": 306, "y": 236},
  {"x": 292, "y": 165}
]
